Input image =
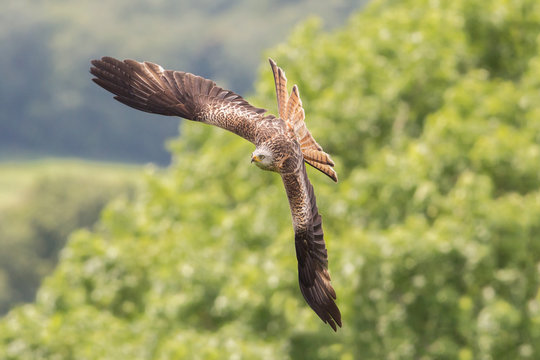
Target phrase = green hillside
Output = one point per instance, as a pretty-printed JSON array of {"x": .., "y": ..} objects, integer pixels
[
  {"x": 41, "y": 203},
  {"x": 17, "y": 177},
  {"x": 430, "y": 110}
]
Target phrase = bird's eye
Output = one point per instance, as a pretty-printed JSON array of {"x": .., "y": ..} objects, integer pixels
[{"x": 261, "y": 157}]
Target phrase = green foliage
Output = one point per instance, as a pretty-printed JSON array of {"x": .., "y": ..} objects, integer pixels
[
  {"x": 432, "y": 231},
  {"x": 53, "y": 200}
]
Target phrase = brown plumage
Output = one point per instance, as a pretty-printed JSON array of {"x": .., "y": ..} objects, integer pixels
[
  {"x": 291, "y": 110},
  {"x": 282, "y": 145}
]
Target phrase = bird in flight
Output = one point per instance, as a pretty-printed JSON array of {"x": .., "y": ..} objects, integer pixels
[{"x": 282, "y": 144}]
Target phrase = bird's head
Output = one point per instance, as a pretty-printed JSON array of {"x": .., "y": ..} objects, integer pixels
[{"x": 263, "y": 158}]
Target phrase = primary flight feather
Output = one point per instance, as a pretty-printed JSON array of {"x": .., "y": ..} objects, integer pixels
[{"x": 282, "y": 144}]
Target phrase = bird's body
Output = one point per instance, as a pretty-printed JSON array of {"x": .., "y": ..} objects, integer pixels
[{"x": 282, "y": 144}]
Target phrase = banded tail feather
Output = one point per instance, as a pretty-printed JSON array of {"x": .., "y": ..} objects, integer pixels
[{"x": 292, "y": 112}]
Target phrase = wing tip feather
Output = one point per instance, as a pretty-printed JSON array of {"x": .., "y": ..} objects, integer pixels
[{"x": 312, "y": 256}]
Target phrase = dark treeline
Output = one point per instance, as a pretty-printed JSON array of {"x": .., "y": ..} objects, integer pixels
[{"x": 50, "y": 107}]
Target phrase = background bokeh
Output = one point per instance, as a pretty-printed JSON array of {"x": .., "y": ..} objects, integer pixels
[{"x": 431, "y": 112}]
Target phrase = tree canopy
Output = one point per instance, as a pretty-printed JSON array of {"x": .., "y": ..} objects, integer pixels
[{"x": 430, "y": 110}]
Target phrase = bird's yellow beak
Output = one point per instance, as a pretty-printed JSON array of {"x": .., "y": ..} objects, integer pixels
[{"x": 255, "y": 158}]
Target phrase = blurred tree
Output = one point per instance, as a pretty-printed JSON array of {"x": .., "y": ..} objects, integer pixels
[
  {"x": 23, "y": 92},
  {"x": 432, "y": 231},
  {"x": 33, "y": 231}
]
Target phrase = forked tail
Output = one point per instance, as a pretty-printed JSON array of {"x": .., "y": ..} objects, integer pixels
[{"x": 291, "y": 111}]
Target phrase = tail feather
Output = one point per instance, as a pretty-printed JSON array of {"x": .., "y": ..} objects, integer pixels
[
  {"x": 291, "y": 111},
  {"x": 325, "y": 169}
]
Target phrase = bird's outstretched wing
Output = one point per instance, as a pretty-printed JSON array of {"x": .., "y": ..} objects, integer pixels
[
  {"x": 148, "y": 87},
  {"x": 311, "y": 251}
]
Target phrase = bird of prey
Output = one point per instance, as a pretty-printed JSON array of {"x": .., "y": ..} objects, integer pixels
[{"x": 282, "y": 144}]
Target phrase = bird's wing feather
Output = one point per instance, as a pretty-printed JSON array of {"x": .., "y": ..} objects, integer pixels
[
  {"x": 148, "y": 87},
  {"x": 311, "y": 250}
]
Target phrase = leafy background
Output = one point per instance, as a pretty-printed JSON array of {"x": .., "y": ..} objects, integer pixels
[{"x": 430, "y": 110}]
